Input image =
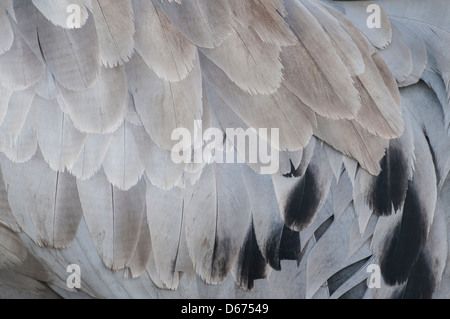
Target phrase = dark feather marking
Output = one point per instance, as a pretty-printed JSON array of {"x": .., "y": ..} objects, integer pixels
[
  {"x": 401, "y": 252},
  {"x": 221, "y": 263},
  {"x": 290, "y": 248},
  {"x": 433, "y": 156},
  {"x": 303, "y": 201},
  {"x": 356, "y": 292},
  {"x": 339, "y": 278},
  {"x": 323, "y": 228},
  {"x": 390, "y": 186},
  {"x": 421, "y": 282},
  {"x": 293, "y": 173},
  {"x": 272, "y": 248},
  {"x": 252, "y": 264}
]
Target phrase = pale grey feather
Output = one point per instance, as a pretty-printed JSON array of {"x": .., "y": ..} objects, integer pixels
[
  {"x": 23, "y": 146},
  {"x": 91, "y": 157},
  {"x": 418, "y": 51},
  {"x": 204, "y": 23},
  {"x": 217, "y": 214},
  {"x": 12, "y": 249},
  {"x": 18, "y": 111},
  {"x": 63, "y": 48},
  {"x": 166, "y": 231},
  {"x": 316, "y": 58},
  {"x": 159, "y": 166},
  {"x": 122, "y": 163},
  {"x": 256, "y": 66},
  {"x": 59, "y": 141},
  {"x": 162, "y": 46},
  {"x": 167, "y": 106},
  {"x": 398, "y": 55},
  {"x": 427, "y": 111},
  {"x": 281, "y": 110},
  {"x": 101, "y": 108},
  {"x": 19, "y": 66},
  {"x": 266, "y": 18},
  {"x": 50, "y": 201},
  {"x": 139, "y": 261},
  {"x": 115, "y": 30},
  {"x": 114, "y": 218}
]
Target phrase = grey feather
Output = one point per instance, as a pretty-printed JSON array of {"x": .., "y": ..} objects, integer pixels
[
  {"x": 122, "y": 164},
  {"x": 292, "y": 117},
  {"x": 217, "y": 218},
  {"x": 139, "y": 261},
  {"x": 357, "y": 144},
  {"x": 62, "y": 49},
  {"x": 418, "y": 54},
  {"x": 398, "y": 55},
  {"x": 22, "y": 146},
  {"x": 162, "y": 46},
  {"x": 166, "y": 231},
  {"x": 19, "y": 66},
  {"x": 321, "y": 65},
  {"x": 17, "y": 114},
  {"x": 431, "y": 120},
  {"x": 50, "y": 200},
  {"x": 202, "y": 22},
  {"x": 114, "y": 218},
  {"x": 91, "y": 157},
  {"x": 101, "y": 108},
  {"x": 115, "y": 30},
  {"x": 12, "y": 249},
  {"x": 266, "y": 18},
  {"x": 256, "y": 67},
  {"x": 59, "y": 141},
  {"x": 159, "y": 166},
  {"x": 167, "y": 106}
]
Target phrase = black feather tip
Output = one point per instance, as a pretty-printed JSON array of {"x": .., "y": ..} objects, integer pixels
[
  {"x": 402, "y": 250},
  {"x": 389, "y": 187},
  {"x": 303, "y": 202},
  {"x": 251, "y": 265}
]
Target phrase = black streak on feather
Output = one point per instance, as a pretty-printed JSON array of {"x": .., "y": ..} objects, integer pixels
[
  {"x": 252, "y": 264},
  {"x": 323, "y": 228},
  {"x": 356, "y": 292},
  {"x": 290, "y": 248},
  {"x": 389, "y": 187},
  {"x": 303, "y": 202},
  {"x": 421, "y": 282},
  {"x": 295, "y": 172},
  {"x": 433, "y": 155},
  {"x": 272, "y": 248},
  {"x": 339, "y": 278},
  {"x": 401, "y": 252},
  {"x": 221, "y": 263}
]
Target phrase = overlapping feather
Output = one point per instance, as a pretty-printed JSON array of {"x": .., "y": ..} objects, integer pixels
[{"x": 102, "y": 101}]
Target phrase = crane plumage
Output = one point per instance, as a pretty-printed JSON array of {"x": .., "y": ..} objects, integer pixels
[{"x": 357, "y": 117}]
